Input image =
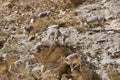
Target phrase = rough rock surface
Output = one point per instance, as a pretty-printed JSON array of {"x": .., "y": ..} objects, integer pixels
[{"x": 59, "y": 29}]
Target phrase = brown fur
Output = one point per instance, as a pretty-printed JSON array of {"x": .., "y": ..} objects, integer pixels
[{"x": 73, "y": 59}]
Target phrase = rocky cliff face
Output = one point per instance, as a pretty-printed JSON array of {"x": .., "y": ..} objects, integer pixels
[{"x": 39, "y": 40}]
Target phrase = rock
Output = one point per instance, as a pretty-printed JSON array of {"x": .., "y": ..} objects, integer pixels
[
  {"x": 41, "y": 58},
  {"x": 114, "y": 75},
  {"x": 77, "y": 2},
  {"x": 36, "y": 48},
  {"x": 104, "y": 1},
  {"x": 96, "y": 76},
  {"x": 10, "y": 58},
  {"x": 49, "y": 75},
  {"x": 44, "y": 13},
  {"x": 87, "y": 73},
  {"x": 31, "y": 38},
  {"x": 49, "y": 55},
  {"x": 36, "y": 72},
  {"x": 64, "y": 77},
  {"x": 115, "y": 54},
  {"x": 29, "y": 29},
  {"x": 2, "y": 43},
  {"x": 3, "y": 65},
  {"x": 18, "y": 67},
  {"x": 77, "y": 75}
]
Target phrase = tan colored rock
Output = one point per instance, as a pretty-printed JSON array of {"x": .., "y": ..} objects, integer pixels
[
  {"x": 87, "y": 73},
  {"x": 11, "y": 58},
  {"x": 11, "y": 75},
  {"x": 3, "y": 65},
  {"x": 49, "y": 55},
  {"x": 62, "y": 68},
  {"x": 49, "y": 74},
  {"x": 114, "y": 75},
  {"x": 36, "y": 72},
  {"x": 64, "y": 77},
  {"x": 77, "y": 75},
  {"x": 18, "y": 67}
]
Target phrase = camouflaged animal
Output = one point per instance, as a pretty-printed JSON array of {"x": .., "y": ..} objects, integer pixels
[
  {"x": 53, "y": 31},
  {"x": 73, "y": 59},
  {"x": 94, "y": 21}
]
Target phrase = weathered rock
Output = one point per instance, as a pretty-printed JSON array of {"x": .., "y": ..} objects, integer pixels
[
  {"x": 114, "y": 75},
  {"x": 10, "y": 58},
  {"x": 2, "y": 42},
  {"x": 43, "y": 62},
  {"x": 3, "y": 65},
  {"x": 77, "y": 2},
  {"x": 87, "y": 73},
  {"x": 77, "y": 75},
  {"x": 49, "y": 55}
]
